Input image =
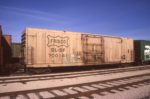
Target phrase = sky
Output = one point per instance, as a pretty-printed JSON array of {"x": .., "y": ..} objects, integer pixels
[{"x": 127, "y": 18}]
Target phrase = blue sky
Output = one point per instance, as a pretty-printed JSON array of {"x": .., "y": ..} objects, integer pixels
[{"x": 128, "y": 18}]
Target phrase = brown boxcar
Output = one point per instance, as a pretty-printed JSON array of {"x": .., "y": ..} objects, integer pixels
[
  {"x": 52, "y": 48},
  {"x": 5, "y": 52},
  {"x": 8, "y": 39},
  {"x": 6, "y": 45},
  {"x": 1, "y": 56}
]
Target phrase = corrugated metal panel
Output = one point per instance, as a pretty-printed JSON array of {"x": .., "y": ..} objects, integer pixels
[
  {"x": 42, "y": 48},
  {"x": 142, "y": 50}
]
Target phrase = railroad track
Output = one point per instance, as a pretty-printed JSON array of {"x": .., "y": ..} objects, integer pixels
[
  {"x": 24, "y": 79},
  {"x": 82, "y": 91}
]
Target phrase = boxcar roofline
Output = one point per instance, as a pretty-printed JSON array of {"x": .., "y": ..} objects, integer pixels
[{"x": 87, "y": 33}]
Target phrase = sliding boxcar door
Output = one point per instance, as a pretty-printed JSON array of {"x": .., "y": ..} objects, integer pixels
[{"x": 92, "y": 49}]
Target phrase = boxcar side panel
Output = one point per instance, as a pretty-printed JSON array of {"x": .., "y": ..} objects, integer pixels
[
  {"x": 127, "y": 50},
  {"x": 57, "y": 49},
  {"x": 39, "y": 48},
  {"x": 74, "y": 48},
  {"x": 112, "y": 47},
  {"x": 31, "y": 48},
  {"x": 35, "y": 48},
  {"x": 53, "y": 48},
  {"x": 63, "y": 48}
]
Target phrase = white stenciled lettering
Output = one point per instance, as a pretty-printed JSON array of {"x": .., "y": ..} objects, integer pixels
[{"x": 147, "y": 52}]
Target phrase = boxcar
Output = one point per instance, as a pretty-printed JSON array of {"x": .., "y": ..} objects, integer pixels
[
  {"x": 5, "y": 52},
  {"x": 1, "y": 54},
  {"x": 53, "y": 48},
  {"x": 16, "y": 52},
  {"x": 142, "y": 51},
  {"x": 6, "y": 44}
]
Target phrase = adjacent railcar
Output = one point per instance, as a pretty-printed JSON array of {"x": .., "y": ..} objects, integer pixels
[
  {"x": 16, "y": 52},
  {"x": 52, "y": 48},
  {"x": 6, "y": 44},
  {"x": 5, "y": 52},
  {"x": 1, "y": 53},
  {"x": 142, "y": 51}
]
